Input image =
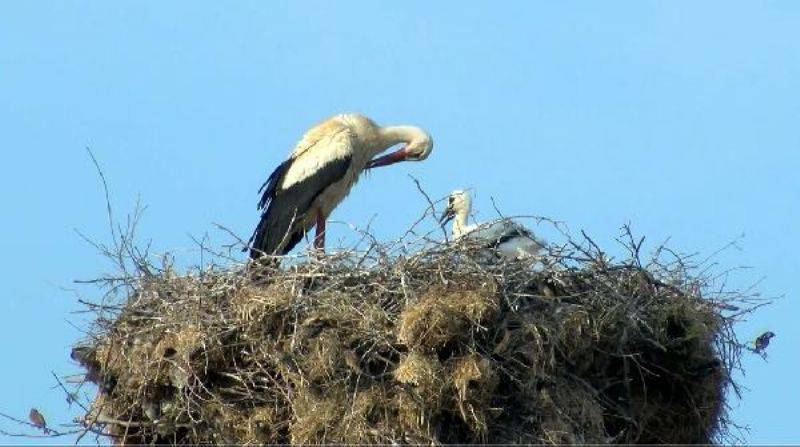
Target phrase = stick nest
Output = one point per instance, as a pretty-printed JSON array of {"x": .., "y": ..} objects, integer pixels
[{"x": 440, "y": 345}]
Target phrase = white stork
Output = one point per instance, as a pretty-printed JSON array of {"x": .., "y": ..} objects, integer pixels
[
  {"x": 317, "y": 176},
  {"x": 506, "y": 237}
]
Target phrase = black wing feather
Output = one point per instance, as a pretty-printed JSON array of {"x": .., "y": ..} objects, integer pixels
[
  {"x": 284, "y": 209},
  {"x": 512, "y": 232},
  {"x": 271, "y": 185}
]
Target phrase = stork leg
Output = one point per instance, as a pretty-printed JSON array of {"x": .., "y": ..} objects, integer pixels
[{"x": 319, "y": 239}]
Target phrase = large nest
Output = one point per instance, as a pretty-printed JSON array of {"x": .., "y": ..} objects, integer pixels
[{"x": 438, "y": 345}]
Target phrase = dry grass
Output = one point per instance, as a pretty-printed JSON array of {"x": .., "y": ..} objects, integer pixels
[{"x": 431, "y": 345}]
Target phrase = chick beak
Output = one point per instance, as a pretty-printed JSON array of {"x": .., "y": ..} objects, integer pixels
[
  {"x": 386, "y": 160},
  {"x": 447, "y": 216}
]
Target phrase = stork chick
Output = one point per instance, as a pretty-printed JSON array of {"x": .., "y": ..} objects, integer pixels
[
  {"x": 303, "y": 191},
  {"x": 508, "y": 238}
]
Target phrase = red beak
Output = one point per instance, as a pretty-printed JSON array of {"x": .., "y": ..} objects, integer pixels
[{"x": 388, "y": 159}]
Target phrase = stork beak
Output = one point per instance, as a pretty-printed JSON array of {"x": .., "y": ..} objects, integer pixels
[
  {"x": 447, "y": 216},
  {"x": 386, "y": 160}
]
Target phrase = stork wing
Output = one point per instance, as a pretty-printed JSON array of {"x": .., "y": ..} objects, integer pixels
[
  {"x": 511, "y": 230},
  {"x": 329, "y": 136},
  {"x": 500, "y": 231},
  {"x": 291, "y": 189}
]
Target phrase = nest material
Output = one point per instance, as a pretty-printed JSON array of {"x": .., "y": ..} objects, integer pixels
[{"x": 433, "y": 348}]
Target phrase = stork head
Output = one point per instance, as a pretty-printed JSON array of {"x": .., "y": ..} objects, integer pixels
[
  {"x": 419, "y": 148},
  {"x": 459, "y": 202},
  {"x": 417, "y": 145}
]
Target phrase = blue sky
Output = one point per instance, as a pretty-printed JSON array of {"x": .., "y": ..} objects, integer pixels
[{"x": 679, "y": 117}]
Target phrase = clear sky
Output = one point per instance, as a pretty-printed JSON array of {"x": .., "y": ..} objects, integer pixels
[{"x": 680, "y": 117}]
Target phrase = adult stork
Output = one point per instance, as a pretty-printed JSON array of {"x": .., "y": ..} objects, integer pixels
[
  {"x": 508, "y": 238},
  {"x": 318, "y": 174}
]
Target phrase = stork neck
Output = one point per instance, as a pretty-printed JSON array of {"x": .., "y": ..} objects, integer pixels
[
  {"x": 460, "y": 223},
  {"x": 391, "y": 135}
]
